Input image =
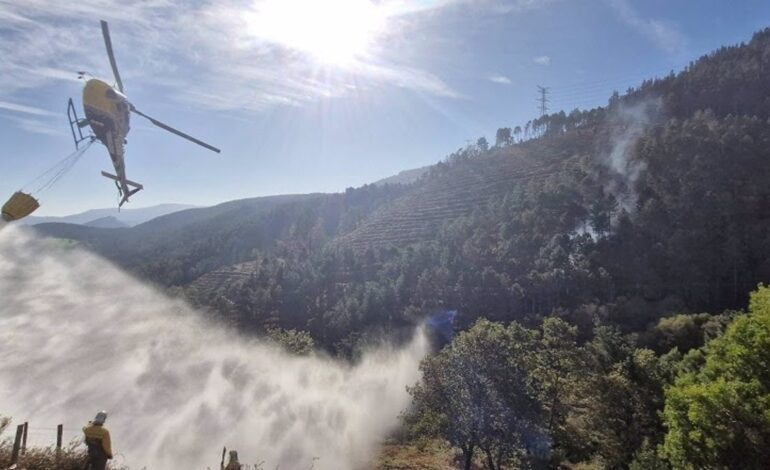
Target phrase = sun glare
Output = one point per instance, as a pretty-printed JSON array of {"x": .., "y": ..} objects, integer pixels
[{"x": 335, "y": 32}]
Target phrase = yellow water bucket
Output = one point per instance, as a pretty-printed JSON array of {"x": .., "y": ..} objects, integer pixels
[{"x": 19, "y": 206}]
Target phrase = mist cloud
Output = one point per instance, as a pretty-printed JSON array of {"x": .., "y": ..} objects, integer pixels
[{"x": 78, "y": 335}]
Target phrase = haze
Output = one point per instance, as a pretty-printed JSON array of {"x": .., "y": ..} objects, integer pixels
[{"x": 304, "y": 98}]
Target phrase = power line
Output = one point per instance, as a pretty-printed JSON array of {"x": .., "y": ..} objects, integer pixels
[
  {"x": 585, "y": 93},
  {"x": 543, "y": 100}
]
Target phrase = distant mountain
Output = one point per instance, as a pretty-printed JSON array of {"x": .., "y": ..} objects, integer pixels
[
  {"x": 126, "y": 217},
  {"x": 106, "y": 222},
  {"x": 404, "y": 177}
]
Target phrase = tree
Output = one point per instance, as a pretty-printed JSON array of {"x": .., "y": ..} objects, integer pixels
[
  {"x": 686, "y": 331},
  {"x": 293, "y": 341},
  {"x": 602, "y": 210},
  {"x": 646, "y": 458},
  {"x": 517, "y": 133},
  {"x": 560, "y": 367},
  {"x": 476, "y": 394},
  {"x": 503, "y": 137},
  {"x": 717, "y": 416},
  {"x": 482, "y": 144}
]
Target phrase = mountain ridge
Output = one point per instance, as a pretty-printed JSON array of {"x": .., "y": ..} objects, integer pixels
[{"x": 128, "y": 216}]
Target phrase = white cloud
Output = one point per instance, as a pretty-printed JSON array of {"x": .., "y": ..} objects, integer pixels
[
  {"x": 208, "y": 54},
  {"x": 30, "y": 118},
  {"x": 34, "y": 125},
  {"x": 494, "y": 6},
  {"x": 664, "y": 34},
  {"x": 543, "y": 60},
  {"x": 500, "y": 79},
  {"x": 21, "y": 108},
  {"x": 406, "y": 77}
]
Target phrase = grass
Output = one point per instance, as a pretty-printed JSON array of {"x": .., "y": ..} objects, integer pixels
[
  {"x": 45, "y": 458},
  {"x": 434, "y": 455}
]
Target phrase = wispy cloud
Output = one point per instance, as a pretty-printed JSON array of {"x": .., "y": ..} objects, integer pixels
[
  {"x": 30, "y": 118},
  {"x": 664, "y": 34},
  {"x": 210, "y": 54},
  {"x": 500, "y": 79},
  {"x": 21, "y": 108},
  {"x": 494, "y": 6},
  {"x": 406, "y": 77},
  {"x": 34, "y": 125},
  {"x": 543, "y": 60}
]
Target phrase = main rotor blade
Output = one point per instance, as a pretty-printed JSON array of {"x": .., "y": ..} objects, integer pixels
[
  {"x": 174, "y": 131},
  {"x": 108, "y": 43}
]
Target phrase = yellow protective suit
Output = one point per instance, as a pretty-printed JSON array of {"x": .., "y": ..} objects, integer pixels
[{"x": 96, "y": 433}]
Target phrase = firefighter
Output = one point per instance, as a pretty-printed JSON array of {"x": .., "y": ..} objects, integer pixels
[
  {"x": 233, "y": 464},
  {"x": 98, "y": 442}
]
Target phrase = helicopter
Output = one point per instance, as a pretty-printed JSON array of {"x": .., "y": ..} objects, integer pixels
[{"x": 107, "y": 112}]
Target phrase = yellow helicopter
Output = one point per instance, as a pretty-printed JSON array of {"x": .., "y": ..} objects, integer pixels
[{"x": 107, "y": 111}]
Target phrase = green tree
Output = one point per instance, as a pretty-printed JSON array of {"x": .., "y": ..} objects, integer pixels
[
  {"x": 624, "y": 391},
  {"x": 560, "y": 367},
  {"x": 476, "y": 394},
  {"x": 719, "y": 415},
  {"x": 293, "y": 341}
]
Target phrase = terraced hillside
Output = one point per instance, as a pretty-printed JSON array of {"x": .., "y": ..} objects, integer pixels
[
  {"x": 456, "y": 190},
  {"x": 220, "y": 278},
  {"x": 448, "y": 191}
]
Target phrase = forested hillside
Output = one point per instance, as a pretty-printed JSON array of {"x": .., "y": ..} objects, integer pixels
[
  {"x": 630, "y": 212},
  {"x": 656, "y": 203},
  {"x": 579, "y": 252},
  {"x": 175, "y": 249}
]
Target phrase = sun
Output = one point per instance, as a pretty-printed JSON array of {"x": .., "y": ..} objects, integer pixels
[{"x": 334, "y": 32}]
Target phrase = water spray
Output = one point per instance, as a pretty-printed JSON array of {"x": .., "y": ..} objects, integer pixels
[{"x": 77, "y": 335}]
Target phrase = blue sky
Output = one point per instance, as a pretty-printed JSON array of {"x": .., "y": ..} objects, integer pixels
[{"x": 319, "y": 95}]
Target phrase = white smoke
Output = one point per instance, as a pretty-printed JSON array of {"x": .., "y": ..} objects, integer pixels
[
  {"x": 78, "y": 335},
  {"x": 628, "y": 123}
]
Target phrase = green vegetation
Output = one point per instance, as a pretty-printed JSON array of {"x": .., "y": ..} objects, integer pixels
[
  {"x": 431, "y": 455},
  {"x": 719, "y": 414},
  {"x": 476, "y": 395},
  {"x": 505, "y": 396},
  {"x": 70, "y": 458}
]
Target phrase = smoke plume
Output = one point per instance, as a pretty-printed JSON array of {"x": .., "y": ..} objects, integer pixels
[
  {"x": 78, "y": 335},
  {"x": 628, "y": 124}
]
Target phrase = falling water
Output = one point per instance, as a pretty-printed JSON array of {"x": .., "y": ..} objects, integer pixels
[{"x": 78, "y": 335}]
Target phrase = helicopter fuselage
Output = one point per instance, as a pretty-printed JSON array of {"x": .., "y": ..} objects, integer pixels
[{"x": 108, "y": 114}]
